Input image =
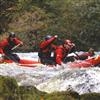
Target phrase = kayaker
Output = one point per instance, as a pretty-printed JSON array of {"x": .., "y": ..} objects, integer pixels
[
  {"x": 8, "y": 45},
  {"x": 85, "y": 55},
  {"x": 46, "y": 48},
  {"x": 63, "y": 50}
]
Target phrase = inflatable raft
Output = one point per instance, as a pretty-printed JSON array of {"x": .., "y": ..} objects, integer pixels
[{"x": 93, "y": 61}]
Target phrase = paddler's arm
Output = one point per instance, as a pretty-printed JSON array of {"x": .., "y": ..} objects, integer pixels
[
  {"x": 18, "y": 43},
  {"x": 47, "y": 42}
]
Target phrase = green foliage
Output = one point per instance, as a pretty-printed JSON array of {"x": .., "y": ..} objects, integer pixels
[
  {"x": 6, "y": 13},
  {"x": 62, "y": 96},
  {"x": 9, "y": 90},
  {"x": 30, "y": 93},
  {"x": 26, "y": 21},
  {"x": 7, "y": 84},
  {"x": 78, "y": 20},
  {"x": 90, "y": 96}
]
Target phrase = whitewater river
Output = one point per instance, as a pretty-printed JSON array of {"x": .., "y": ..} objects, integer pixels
[{"x": 50, "y": 79}]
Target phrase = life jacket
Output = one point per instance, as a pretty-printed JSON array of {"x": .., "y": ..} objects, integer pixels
[
  {"x": 10, "y": 45},
  {"x": 1, "y": 51},
  {"x": 6, "y": 45},
  {"x": 46, "y": 48},
  {"x": 60, "y": 54},
  {"x": 46, "y": 52}
]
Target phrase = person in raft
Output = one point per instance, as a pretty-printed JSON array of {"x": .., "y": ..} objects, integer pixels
[
  {"x": 46, "y": 48},
  {"x": 63, "y": 50},
  {"x": 85, "y": 55},
  {"x": 8, "y": 45}
]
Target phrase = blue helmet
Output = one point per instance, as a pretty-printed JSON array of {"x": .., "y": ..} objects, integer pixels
[{"x": 48, "y": 37}]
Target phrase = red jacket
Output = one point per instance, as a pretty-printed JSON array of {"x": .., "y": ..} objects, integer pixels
[
  {"x": 62, "y": 51},
  {"x": 46, "y": 43},
  {"x": 8, "y": 45},
  {"x": 1, "y": 51},
  {"x": 46, "y": 47},
  {"x": 60, "y": 54}
]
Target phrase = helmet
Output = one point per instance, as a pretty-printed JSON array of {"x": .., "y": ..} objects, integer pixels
[
  {"x": 69, "y": 42},
  {"x": 12, "y": 34},
  {"x": 48, "y": 37}
]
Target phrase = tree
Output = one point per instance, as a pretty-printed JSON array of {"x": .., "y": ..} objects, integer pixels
[{"x": 6, "y": 11}]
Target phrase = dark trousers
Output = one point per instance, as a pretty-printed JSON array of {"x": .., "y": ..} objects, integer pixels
[
  {"x": 12, "y": 56},
  {"x": 48, "y": 61},
  {"x": 69, "y": 59}
]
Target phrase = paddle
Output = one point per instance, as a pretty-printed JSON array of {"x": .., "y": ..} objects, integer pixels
[
  {"x": 13, "y": 49},
  {"x": 71, "y": 58},
  {"x": 77, "y": 55},
  {"x": 16, "y": 46}
]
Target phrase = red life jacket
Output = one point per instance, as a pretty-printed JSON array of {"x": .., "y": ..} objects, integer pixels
[
  {"x": 46, "y": 48},
  {"x": 60, "y": 54},
  {"x": 7, "y": 45}
]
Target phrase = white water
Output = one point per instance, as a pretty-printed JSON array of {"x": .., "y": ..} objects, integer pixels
[{"x": 50, "y": 79}]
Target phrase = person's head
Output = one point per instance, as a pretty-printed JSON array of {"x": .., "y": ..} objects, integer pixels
[
  {"x": 91, "y": 50},
  {"x": 48, "y": 37},
  {"x": 68, "y": 44},
  {"x": 11, "y": 35}
]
